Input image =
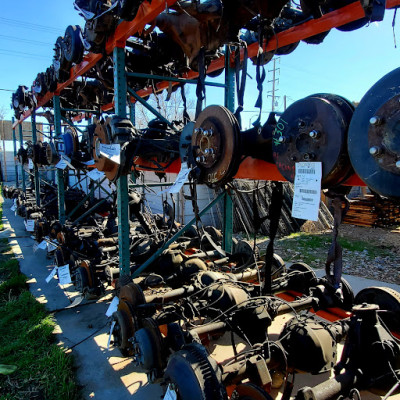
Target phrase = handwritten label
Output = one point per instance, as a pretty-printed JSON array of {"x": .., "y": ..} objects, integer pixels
[
  {"x": 52, "y": 274},
  {"x": 112, "y": 307},
  {"x": 109, "y": 336},
  {"x": 95, "y": 175},
  {"x": 30, "y": 225},
  {"x": 64, "y": 276},
  {"x": 307, "y": 190},
  {"x": 111, "y": 151},
  {"x": 180, "y": 180}
]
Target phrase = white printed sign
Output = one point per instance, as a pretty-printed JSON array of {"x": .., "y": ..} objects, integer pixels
[
  {"x": 109, "y": 336},
  {"x": 52, "y": 274},
  {"x": 111, "y": 151},
  {"x": 64, "y": 277},
  {"x": 180, "y": 180},
  {"x": 95, "y": 174},
  {"x": 30, "y": 163},
  {"x": 30, "y": 225},
  {"x": 113, "y": 307},
  {"x": 307, "y": 190}
]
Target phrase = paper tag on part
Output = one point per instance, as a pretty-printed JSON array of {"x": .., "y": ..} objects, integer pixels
[
  {"x": 112, "y": 307},
  {"x": 307, "y": 190},
  {"x": 30, "y": 225},
  {"x": 91, "y": 162},
  {"x": 13, "y": 208},
  {"x": 109, "y": 336},
  {"x": 170, "y": 394},
  {"x": 52, "y": 274},
  {"x": 95, "y": 174},
  {"x": 30, "y": 163},
  {"x": 42, "y": 245},
  {"x": 67, "y": 161},
  {"x": 111, "y": 151},
  {"x": 64, "y": 277},
  {"x": 61, "y": 164},
  {"x": 180, "y": 180},
  {"x": 51, "y": 247}
]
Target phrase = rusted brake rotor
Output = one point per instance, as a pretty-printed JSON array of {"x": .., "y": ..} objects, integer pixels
[
  {"x": 216, "y": 145},
  {"x": 315, "y": 129},
  {"x": 374, "y": 136},
  {"x": 102, "y": 163}
]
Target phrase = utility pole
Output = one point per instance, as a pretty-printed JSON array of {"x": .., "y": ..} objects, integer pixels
[{"x": 274, "y": 80}]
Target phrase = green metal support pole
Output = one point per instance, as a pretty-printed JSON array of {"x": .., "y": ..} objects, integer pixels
[
  {"x": 15, "y": 154},
  {"x": 120, "y": 90},
  {"x": 132, "y": 117},
  {"x": 230, "y": 105},
  {"x": 36, "y": 176},
  {"x": 60, "y": 172},
  {"x": 21, "y": 139}
]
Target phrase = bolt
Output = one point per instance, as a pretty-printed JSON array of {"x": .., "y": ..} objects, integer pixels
[
  {"x": 209, "y": 151},
  {"x": 398, "y": 164},
  {"x": 314, "y": 134},
  {"x": 200, "y": 159},
  {"x": 301, "y": 124},
  {"x": 375, "y": 121},
  {"x": 208, "y": 132},
  {"x": 198, "y": 130},
  {"x": 374, "y": 151},
  {"x": 308, "y": 156},
  {"x": 282, "y": 139}
]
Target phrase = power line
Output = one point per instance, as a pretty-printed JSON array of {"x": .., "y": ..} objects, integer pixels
[
  {"x": 17, "y": 39},
  {"x": 20, "y": 53},
  {"x": 28, "y": 25},
  {"x": 6, "y": 90}
]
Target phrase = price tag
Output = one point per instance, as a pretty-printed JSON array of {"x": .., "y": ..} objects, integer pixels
[
  {"x": 30, "y": 163},
  {"x": 112, "y": 307},
  {"x": 180, "y": 180},
  {"x": 64, "y": 277},
  {"x": 51, "y": 247},
  {"x": 170, "y": 394},
  {"x": 30, "y": 225},
  {"x": 95, "y": 174},
  {"x": 61, "y": 164},
  {"x": 307, "y": 190},
  {"x": 91, "y": 162},
  {"x": 52, "y": 274},
  {"x": 109, "y": 336},
  {"x": 111, "y": 151},
  {"x": 42, "y": 245}
]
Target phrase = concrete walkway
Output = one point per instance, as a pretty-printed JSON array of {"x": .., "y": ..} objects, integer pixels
[{"x": 103, "y": 374}]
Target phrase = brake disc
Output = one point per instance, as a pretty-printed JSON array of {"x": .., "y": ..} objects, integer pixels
[
  {"x": 387, "y": 299},
  {"x": 70, "y": 141},
  {"x": 102, "y": 163},
  {"x": 132, "y": 294},
  {"x": 374, "y": 136},
  {"x": 314, "y": 129},
  {"x": 216, "y": 145}
]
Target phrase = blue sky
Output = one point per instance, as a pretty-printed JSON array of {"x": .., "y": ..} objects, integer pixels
[{"x": 346, "y": 63}]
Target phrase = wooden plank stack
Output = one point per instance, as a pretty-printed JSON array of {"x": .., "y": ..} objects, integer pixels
[{"x": 373, "y": 211}]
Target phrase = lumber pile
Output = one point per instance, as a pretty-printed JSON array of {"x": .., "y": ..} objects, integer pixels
[{"x": 373, "y": 211}]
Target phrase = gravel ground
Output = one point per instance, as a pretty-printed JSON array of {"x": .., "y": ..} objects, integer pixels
[{"x": 367, "y": 252}]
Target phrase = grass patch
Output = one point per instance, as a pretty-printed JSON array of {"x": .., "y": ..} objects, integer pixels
[
  {"x": 44, "y": 371},
  {"x": 313, "y": 248}
]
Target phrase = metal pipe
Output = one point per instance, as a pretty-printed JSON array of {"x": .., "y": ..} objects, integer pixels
[{"x": 89, "y": 211}]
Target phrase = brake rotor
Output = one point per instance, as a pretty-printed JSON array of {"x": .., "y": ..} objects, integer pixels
[
  {"x": 249, "y": 391},
  {"x": 216, "y": 145},
  {"x": 51, "y": 154},
  {"x": 70, "y": 141},
  {"x": 102, "y": 163},
  {"x": 132, "y": 294},
  {"x": 124, "y": 329},
  {"x": 314, "y": 129},
  {"x": 374, "y": 136},
  {"x": 387, "y": 299}
]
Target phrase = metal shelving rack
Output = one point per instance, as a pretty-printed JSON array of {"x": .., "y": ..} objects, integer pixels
[{"x": 250, "y": 168}]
